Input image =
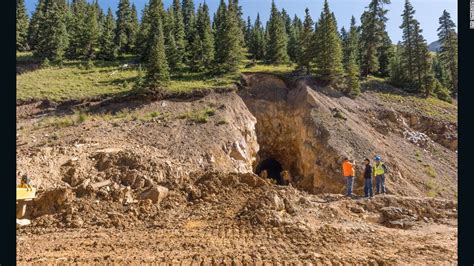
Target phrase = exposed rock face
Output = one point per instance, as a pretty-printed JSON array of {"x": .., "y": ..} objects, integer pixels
[
  {"x": 309, "y": 128},
  {"x": 291, "y": 129},
  {"x": 133, "y": 153}
]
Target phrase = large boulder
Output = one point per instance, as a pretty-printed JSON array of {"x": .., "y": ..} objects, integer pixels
[
  {"x": 156, "y": 194},
  {"x": 395, "y": 217}
]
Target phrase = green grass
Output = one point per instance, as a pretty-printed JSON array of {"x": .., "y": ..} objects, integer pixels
[
  {"x": 24, "y": 57},
  {"x": 80, "y": 117},
  {"x": 274, "y": 69},
  {"x": 374, "y": 78},
  {"x": 63, "y": 121},
  {"x": 433, "y": 189},
  {"x": 431, "y": 107},
  {"x": 198, "y": 116},
  {"x": 418, "y": 156},
  {"x": 73, "y": 80},
  {"x": 80, "y": 79},
  {"x": 430, "y": 171}
]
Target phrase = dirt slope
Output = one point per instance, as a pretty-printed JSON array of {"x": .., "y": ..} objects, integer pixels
[{"x": 241, "y": 219}]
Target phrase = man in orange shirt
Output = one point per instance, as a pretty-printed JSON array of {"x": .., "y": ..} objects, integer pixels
[{"x": 349, "y": 173}]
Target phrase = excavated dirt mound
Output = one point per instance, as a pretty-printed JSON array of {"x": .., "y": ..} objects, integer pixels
[{"x": 241, "y": 219}]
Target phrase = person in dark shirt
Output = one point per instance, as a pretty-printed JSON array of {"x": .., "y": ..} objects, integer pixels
[{"x": 368, "y": 179}]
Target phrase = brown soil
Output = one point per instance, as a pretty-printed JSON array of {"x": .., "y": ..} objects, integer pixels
[
  {"x": 93, "y": 178},
  {"x": 243, "y": 219}
]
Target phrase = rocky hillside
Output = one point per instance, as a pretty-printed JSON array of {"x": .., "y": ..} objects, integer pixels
[
  {"x": 309, "y": 128},
  {"x": 305, "y": 127},
  {"x": 184, "y": 166}
]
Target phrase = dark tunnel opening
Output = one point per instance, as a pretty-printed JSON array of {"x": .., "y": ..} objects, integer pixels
[{"x": 273, "y": 168}]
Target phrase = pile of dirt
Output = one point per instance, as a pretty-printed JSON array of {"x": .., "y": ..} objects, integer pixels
[
  {"x": 237, "y": 217},
  {"x": 246, "y": 197}
]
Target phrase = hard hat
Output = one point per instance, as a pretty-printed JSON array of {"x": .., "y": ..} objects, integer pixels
[{"x": 377, "y": 158}]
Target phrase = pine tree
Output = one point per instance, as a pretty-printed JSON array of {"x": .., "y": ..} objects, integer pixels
[
  {"x": 52, "y": 32},
  {"x": 99, "y": 14},
  {"x": 344, "y": 35},
  {"x": 293, "y": 36},
  {"x": 92, "y": 33},
  {"x": 257, "y": 43},
  {"x": 179, "y": 34},
  {"x": 188, "y": 18},
  {"x": 415, "y": 57},
  {"x": 155, "y": 14},
  {"x": 424, "y": 73},
  {"x": 328, "y": 46},
  {"x": 123, "y": 28},
  {"x": 449, "y": 49},
  {"x": 248, "y": 32},
  {"x": 408, "y": 56},
  {"x": 352, "y": 71},
  {"x": 203, "y": 42},
  {"x": 83, "y": 28},
  {"x": 372, "y": 29},
  {"x": 351, "y": 43},
  {"x": 440, "y": 71},
  {"x": 306, "y": 47},
  {"x": 170, "y": 43},
  {"x": 141, "y": 42},
  {"x": 157, "y": 74},
  {"x": 21, "y": 26},
  {"x": 240, "y": 21},
  {"x": 107, "y": 49},
  {"x": 133, "y": 29},
  {"x": 286, "y": 20},
  {"x": 294, "y": 39},
  {"x": 220, "y": 31},
  {"x": 351, "y": 55},
  {"x": 228, "y": 32},
  {"x": 172, "y": 53},
  {"x": 77, "y": 29},
  {"x": 397, "y": 73},
  {"x": 384, "y": 54},
  {"x": 33, "y": 28},
  {"x": 277, "y": 52}
]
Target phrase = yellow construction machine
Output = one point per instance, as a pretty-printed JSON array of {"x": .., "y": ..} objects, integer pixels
[{"x": 24, "y": 193}]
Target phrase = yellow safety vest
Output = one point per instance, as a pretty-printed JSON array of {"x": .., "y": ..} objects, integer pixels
[{"x": 378, "y": 169}]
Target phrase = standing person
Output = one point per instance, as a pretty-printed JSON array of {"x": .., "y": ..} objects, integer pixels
[
  {"x": 368, "y": 190},
  {"x": 379, "y": 170},
  {"x": 349, "y": 173}
]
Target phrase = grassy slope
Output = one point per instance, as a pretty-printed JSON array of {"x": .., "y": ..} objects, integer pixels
[
  {"x": 431, "y": 107},
  {"x": 73, "y": 80}
]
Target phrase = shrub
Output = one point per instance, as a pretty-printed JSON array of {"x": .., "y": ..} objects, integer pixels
[
  {"x": 441, "y": 92},
  {"x": 429, "y": 170},
  {"x": 45, "y": 63},
  {"x": 89, "y": 64}
]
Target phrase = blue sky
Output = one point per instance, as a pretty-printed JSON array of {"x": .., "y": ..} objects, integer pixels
[{"x": 427, "y": 11}]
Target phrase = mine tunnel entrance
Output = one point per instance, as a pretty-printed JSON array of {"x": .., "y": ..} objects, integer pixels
[{"x": 273, "y": 168}]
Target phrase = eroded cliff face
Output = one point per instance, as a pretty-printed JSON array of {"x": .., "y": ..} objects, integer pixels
[
  {"x": 166, "y": 148},
  {"x": 289, "y": 132},
  {"x": 309, "y": 128}
]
